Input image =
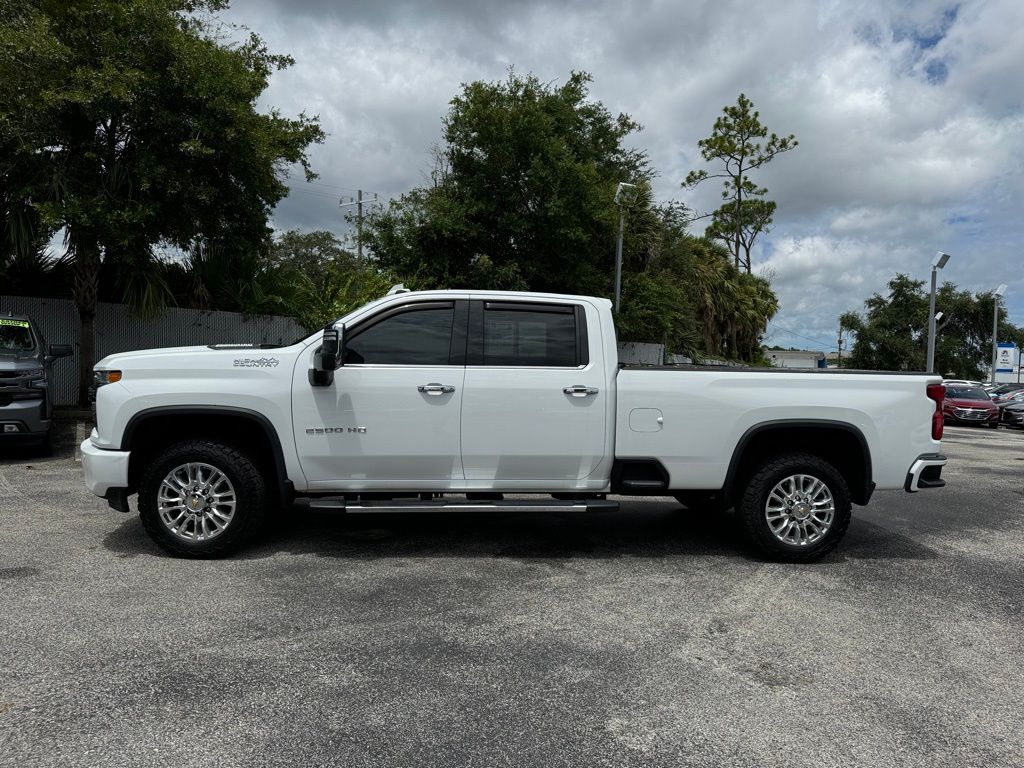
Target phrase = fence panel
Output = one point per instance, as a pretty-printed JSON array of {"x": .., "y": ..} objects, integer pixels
[{"x": 117, "y": 330}]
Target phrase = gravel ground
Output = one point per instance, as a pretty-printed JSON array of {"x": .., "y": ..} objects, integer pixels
[{"x": 640, "y": 638}]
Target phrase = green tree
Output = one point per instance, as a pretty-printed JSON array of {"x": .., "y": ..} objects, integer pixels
[
  {"x": 893, "y": 333},
  {"x": 736, "y": 144},
  {"x": 131, "y": 122},
  {"x": 311, "y": 253},
  {"x": 687, "y": 294},
  {"x": 522, "y": 198},
  {"x": 521, "y": 194},
  {"x": 329, "y": 281}
]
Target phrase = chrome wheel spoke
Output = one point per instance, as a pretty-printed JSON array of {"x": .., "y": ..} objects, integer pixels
[
  {"x": 196, "y": 501},
  {"x": 799, "y": 509}
]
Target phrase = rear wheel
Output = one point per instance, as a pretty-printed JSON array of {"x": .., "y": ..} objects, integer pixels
[
  {"x": 795, "y": 508},
  {"x": 202, "y": 498}
]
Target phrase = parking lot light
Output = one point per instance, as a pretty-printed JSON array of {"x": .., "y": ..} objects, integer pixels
[
  {"x": 937, "y": 263},
  {"x": 996, "y": 294}
]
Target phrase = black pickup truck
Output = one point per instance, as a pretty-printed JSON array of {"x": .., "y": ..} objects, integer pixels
[{"x": 26, "y": 382}]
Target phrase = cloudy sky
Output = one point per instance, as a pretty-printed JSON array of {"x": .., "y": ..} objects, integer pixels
[{"x": 910, "y": 117}]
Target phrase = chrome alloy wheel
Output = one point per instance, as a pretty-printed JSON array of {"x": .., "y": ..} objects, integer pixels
[
  {"x": 800, "y": 510},
  {"x": 196, "y": 501}
]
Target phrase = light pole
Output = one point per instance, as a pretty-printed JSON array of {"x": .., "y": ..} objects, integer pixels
[
  {"x": 937, "y": 263},
  {"x": 995, "y": 328},
  {"x": 618, "y": 245}
]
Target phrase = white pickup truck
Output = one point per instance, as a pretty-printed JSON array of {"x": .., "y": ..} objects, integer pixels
[{"x": 451, "y": 400}]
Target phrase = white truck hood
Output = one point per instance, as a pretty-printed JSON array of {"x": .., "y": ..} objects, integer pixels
[{"x": 237, "y": 356}]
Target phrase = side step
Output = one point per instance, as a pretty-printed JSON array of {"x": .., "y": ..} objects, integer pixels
[{"x": 413, "y": 505}]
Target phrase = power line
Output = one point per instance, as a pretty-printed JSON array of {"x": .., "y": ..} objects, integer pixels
[
  {"x": 331, "y": 186},
  {"x": 806, "y": 338}
]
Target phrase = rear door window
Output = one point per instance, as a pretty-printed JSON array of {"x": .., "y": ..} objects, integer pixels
[{"x": 540, "y": 335}]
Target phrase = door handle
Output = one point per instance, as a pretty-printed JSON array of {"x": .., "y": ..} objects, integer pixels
[
  {"x": 436, "y": 389},
  {"x": 578, "y": 390}
]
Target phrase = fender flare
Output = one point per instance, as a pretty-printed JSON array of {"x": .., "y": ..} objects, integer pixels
[
  {"x": 860, "y": 495},
  {"x": 286, "y": 488}
]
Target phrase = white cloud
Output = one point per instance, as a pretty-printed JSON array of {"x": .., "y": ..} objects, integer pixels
[{"x": 909, "y": 116}]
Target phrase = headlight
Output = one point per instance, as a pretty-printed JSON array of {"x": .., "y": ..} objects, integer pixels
[
  {"x": 101, "y": 377},
  {"x": 36, "y": 378}
]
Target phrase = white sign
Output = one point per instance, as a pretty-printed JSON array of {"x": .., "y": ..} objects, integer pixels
[{"x": 1006, "y": 357}]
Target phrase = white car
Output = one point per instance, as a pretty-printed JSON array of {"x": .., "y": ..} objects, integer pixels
[{"x": 419, "y": 397}]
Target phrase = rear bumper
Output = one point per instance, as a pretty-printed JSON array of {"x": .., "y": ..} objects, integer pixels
[
  {"x": 925, "y": 472},
  {"x": 105, "y": 471}
]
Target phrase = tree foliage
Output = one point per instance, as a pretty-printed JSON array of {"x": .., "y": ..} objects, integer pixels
[
  {"x": 736, "y": 144},
  {"x": 133, "y": 122},
  {"x": 893, "y": 332},
  {"x": 521, "y": 195}
]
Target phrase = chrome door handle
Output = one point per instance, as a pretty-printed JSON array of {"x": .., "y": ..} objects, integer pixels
[
  {"x": 578, "y": 390},
  {"x": 436, "y": 389}
]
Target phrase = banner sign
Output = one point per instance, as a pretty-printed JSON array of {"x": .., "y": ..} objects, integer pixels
[
  {"x": 1006, "y": 357},
  {"x": 15, "y": 323}
]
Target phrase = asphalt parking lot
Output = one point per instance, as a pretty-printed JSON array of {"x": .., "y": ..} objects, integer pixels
[{"x": 635, "y": 638}]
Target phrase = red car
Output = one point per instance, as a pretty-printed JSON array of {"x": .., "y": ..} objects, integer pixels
[{"x": 969, "y": 405}]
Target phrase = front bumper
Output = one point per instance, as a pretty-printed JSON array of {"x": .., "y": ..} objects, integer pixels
[
  {"x": 105, "y": 471},
  {"x": 977, "y": 419},
  {"x": 1013, "y": 418},
  {"x": 925, "y": 472},
  {"x": 27, "y": 417}
]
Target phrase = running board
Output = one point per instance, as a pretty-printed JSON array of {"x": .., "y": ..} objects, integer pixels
[{"x": 413, "y": 505}]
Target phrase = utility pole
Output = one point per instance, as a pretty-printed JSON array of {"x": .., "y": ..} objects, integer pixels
[
  {"x": 619, "y": 201},
  {"x": 358, "y": 203},
  {"x": 359, "y": 227},
  {"x": 839, "y": 342}
]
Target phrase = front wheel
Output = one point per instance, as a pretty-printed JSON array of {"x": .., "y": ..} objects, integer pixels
[
  {"x": 795, "y": 508},
  {"x": 202, "y": 498}
]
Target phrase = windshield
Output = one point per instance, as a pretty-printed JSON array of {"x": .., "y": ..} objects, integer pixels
[
  {"x": 16, "y": 336},
  {"x": 967, "y": 393}
]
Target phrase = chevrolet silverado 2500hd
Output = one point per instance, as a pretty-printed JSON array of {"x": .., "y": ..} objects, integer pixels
[{"x": 419, "y": 397}]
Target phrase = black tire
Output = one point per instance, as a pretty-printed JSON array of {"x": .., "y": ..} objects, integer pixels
[
  {"x": 751, "y": 509},
  {"x": 994, "y": 425},
  {"x": 251, "y": 503}
]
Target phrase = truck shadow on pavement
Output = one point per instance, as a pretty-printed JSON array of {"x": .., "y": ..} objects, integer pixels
[{"x": 661, "y": 530}]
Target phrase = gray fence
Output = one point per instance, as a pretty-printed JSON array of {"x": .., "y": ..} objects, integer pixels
[{"x": 117, "y": 330}]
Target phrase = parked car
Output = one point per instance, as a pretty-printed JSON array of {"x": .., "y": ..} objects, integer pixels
[
  {"x": 1009, "y": 399},
  {"x": 1006, "y": 395},
  {"x": 26, "y": 381},
  {"x": 1012, "y": 415},
  {"x": 995, "y": 389},
  {"x": 417, "y": 396},
  {"x": 969, "y": 405},
  {"x": 960, "y": 383}
]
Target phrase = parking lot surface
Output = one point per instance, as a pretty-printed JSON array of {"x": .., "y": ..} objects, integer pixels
[{"x": 641, "y": 637}]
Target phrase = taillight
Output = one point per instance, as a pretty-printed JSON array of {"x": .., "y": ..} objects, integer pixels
[{"x": 937, "y": 392}]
